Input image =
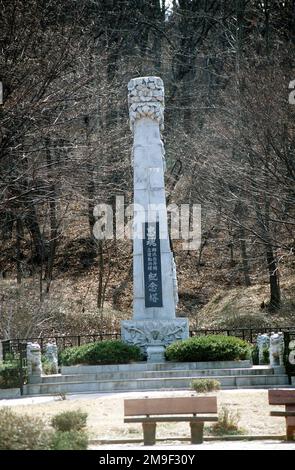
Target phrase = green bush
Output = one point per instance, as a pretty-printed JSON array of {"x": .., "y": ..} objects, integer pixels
[
  {"x": 209, "y": 348},
  {"x": 102, "y": 352},
  {"x": 205, "y": 385},
  {"x": 22, "y": 432},
  {"x": 9, "y": 375},
  {"x": 69, "y": 440},
  {"x": 69, "y": 421}
]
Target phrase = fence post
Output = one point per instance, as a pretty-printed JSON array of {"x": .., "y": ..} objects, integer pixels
[{"x": 22, "y": 350}]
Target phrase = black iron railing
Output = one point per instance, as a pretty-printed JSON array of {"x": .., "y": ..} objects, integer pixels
[
  {"x": 14, "y": 345},
  {"x": 247, "y": 334}
]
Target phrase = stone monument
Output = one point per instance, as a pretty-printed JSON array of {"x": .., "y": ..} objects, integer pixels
[{"x": 154, "y": 324}]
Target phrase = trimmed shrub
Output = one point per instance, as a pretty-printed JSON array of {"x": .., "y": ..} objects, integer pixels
[
  {"x": 205, "y": 385},
  {"x": 22, "y": 432},
  {"x": 9, "y": 375},
  {"x": 209, "y": 348},
  {"x": 69, "y": 440},
  {"x": 69, "y": 421},
  {"x": 70, "y": 431},
  {"x": 101, "y": 352}
]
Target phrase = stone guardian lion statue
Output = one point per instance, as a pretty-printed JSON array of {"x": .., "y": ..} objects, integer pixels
[{"x": 276, "y": 349}]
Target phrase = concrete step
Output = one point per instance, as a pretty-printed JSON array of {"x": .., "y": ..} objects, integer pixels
[
  {"x": 152, "y": 384},
  {"x": 120, "y": 375},
  {"x": 149, "y": 366}
]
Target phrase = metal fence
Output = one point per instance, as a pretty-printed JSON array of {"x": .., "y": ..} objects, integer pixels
[
  {"x": 247, "y": 334},
  {"x": 12, "y": 346}
]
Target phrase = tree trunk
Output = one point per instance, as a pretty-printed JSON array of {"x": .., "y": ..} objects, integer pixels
[
  {"x": 53, "y": 222},
  {"x": 18, "y": 250},
  {"x": 275, "y": 291},
  {"x": 100, "y": 275},
  {"x": 244, "y": 255},
  {"x": 90, "y": 178},
  {"x": 32, "y": 225}
]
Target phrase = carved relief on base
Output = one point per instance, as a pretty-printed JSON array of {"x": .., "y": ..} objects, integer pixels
[{"x": 145, "y": 333}]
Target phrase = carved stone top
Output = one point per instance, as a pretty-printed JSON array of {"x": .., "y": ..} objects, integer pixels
[{"x": 146, "y": 99}]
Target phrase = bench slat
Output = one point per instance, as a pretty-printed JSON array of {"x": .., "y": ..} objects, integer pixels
[
  {"x": 175, "y": 405},
  {"x": 166, "y": 419},
  {"x": 281, "y": 397},
  {"x": 282, "y": 413}
]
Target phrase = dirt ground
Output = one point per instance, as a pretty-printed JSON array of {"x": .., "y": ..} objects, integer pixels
[{"x": 105, "y": 413}]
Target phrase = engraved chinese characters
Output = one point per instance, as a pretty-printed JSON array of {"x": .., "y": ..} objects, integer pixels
[{"x": 152, "y": 265}]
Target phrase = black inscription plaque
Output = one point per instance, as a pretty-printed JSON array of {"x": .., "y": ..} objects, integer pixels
[{"x": 152, "y": 265}]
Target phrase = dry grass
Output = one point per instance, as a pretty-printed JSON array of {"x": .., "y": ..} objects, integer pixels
[
  {"x": 241, "y": 307},
  {"x": 105, "y": 413}
]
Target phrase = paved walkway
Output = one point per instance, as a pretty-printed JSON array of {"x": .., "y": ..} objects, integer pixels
[
  {"x": 26, "y": 401},
  {"x": 86, "y": 396},
  {"x": 225, "y": 445}
]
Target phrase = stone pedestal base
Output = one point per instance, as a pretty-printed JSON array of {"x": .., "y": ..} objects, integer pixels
[
  {"x": 161, "y": 333},
  {"x": 155, "y": 353},
  {"x": 35, "y": 378}
]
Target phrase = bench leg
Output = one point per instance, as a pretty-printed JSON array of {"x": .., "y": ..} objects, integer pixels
[
  {"x": 290, "y": 432},
  {"x": 149, "y": 433},
  {"x": 197, "y": 433}
]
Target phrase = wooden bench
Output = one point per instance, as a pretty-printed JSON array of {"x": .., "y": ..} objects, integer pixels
[
  {"x": 284, "y": 397},
  {"x": 150, "y": 411}
]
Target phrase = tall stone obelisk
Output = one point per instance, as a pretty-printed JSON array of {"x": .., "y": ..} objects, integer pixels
[{"x": 154, "y": 323}]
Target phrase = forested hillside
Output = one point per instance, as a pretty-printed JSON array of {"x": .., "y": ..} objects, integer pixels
[{"x": 65, "y": 146}]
